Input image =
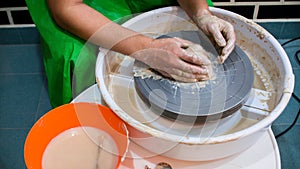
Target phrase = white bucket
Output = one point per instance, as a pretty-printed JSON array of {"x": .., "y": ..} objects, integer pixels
[{"x": 274, "y": 83}]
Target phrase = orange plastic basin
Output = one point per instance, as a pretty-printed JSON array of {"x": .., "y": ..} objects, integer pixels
[{"x": 69, "y": 116}]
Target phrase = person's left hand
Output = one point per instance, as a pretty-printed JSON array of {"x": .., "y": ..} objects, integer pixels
[{"x": 221, "y": 31}]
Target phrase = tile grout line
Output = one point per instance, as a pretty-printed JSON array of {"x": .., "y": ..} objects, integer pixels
[
  {"x": 39, "y": 103},
  {"x": 285, "y": 124},
  {"x": 295, "y": 45},
  {"x": 25, "y": 128},
  {"x": 19, "y": 44},
  {"x": 281, "y": 30},
  {"x": 17, "y": 74}
]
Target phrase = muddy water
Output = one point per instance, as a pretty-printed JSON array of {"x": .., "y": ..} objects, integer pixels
[
  {"x": 81, "y": 147},
  {"x": 241, "y": 125},
  {"x": 266, "y": 74}
]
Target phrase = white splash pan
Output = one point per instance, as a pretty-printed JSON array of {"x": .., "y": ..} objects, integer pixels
[{"x": 274, "y": 83}]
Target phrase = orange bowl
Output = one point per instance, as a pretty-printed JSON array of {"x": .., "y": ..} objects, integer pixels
[{"x": 69, "y": 116}]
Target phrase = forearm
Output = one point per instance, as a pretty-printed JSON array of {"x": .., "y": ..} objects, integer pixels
[
  {"x": 87, "y": 23},
  {"x": 194, "y": 8}
]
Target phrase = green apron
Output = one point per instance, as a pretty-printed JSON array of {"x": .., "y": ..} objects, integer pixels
[{"x": 66, "y": 58}]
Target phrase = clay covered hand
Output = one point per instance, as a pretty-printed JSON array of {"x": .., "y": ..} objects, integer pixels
[
  {"x": 221, "y": 31},
  {"x": 170, "y": 57}
]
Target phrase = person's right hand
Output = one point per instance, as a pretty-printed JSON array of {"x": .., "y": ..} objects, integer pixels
[{"x": 169, "y": 57}]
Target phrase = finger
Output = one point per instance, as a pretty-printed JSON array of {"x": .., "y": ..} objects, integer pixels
[
  {"x": 216, "y": 33},
  {"x": 177, "y": 77},
  {"x": 202, "y": 77},
  {"x": 195, "y": 55},
  {"x": 181, "y": 73},
  {"x": 180, "y": 64},
  {"x": 197, "y": 58},
  {"x": 226, "y": 51},
  {"x": 183, "y": 79},
  {"x": 183, "y": 43},
  {"x": 193, "y": 69},
  {"x": 171, "y": 61},
  {"x": 165, "y": 74}
]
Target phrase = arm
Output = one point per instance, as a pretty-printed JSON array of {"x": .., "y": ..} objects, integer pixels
[
  {"x": 194, "y": 7},
  {"x": 83, "y": 21},
  {"x": 164, "y": 55}
]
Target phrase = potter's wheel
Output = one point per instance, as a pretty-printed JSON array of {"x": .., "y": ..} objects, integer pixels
[
  {"x": 212, "y": 140},
  {"x": 191, "y": 102}
]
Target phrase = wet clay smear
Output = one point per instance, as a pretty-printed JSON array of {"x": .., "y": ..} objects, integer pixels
[{"x": 144, "y": 71}]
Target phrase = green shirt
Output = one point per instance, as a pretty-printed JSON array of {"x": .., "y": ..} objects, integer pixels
[{"x": 69, "y": 63}]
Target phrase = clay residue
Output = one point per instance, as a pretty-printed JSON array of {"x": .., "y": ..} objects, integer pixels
[
  {"x": 159, "y": 29},
  {"x": 264, "y": 68},
  {"x": 266, "y": 74},
  {"x": 144, "y": 71}
]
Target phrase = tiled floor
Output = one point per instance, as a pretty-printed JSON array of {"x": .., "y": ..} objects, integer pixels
[
  {"x": 289, "y": 146},
  {"x": 23, "y": 99}
]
